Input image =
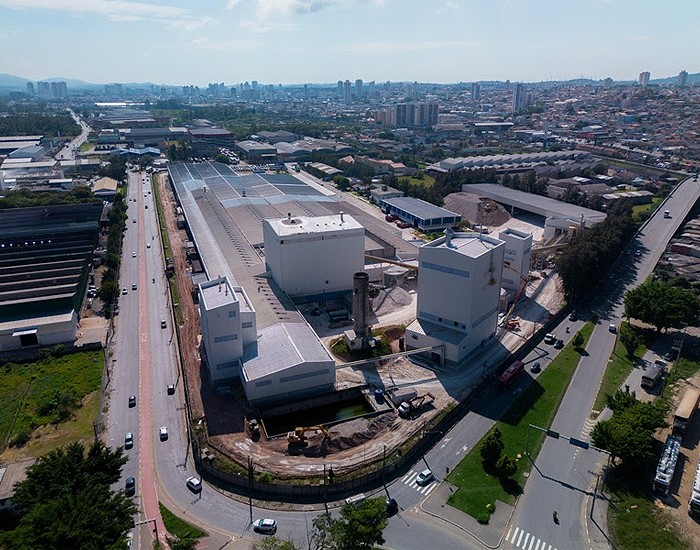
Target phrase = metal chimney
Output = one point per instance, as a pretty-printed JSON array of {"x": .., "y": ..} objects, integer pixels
[{"x": 360, "y": 305}]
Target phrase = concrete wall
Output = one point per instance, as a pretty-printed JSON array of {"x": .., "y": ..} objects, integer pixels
[
  {"x": 47, "y": 335},
  {"x": 307, "y": 378}
]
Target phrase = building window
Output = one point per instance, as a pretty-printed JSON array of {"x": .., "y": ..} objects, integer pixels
[
  {"x": 248, "y": 324},
  {"x": 225, "y": 338},
  {"x": 415, "y": 337},
  {"x": 263, "y": 383},
  {"x": 231, "y": 314},
  {"x": 303, "y": 375}
]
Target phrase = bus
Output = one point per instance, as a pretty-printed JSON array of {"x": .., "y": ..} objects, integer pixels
[
  {"x": 694, "y": 502},
  {"x": 686, "y": 410},
  {"x": 511, "y": 374},
  {"x": 667, "y": 465}
]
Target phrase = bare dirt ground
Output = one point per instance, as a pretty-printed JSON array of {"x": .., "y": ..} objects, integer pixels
[
  {"x": 676, "y": 504},
  {"x": 357, "y": 440}
]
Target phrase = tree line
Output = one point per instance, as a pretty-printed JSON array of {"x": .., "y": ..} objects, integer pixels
[
  {"x": 34, "y": 123},
  {"x": 24, "y": 198},
  {"x": 590, "y": 254}
]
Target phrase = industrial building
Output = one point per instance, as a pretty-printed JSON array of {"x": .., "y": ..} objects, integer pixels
[
  {"x": 420, "y": 214},
  {"x": 459, "y": 287},
  {"x": 45, "y": 258},
  {"x": 559, "y": 217},
  {"x": 314, "y": 257},
  {"x": 228, "y": 325},
  {"x": 254, "y": 151},
  {"x": 505, "y": 162},
  {"x": 516, "y": 258}
]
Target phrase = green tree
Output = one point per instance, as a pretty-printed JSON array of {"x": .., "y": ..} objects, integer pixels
[
  {"x": 662, "y": 305},
  {"x": 220, "y": 157},
  {"x": 359, "y": 527},
  {"x": 577, "y": 340},
  {"x": 629, "y": 433},
  {"x": 66, "y": 501},
  {"x": 491, "y": 450},
  {"x": 342, "y": 182},
  {"x": 506, "y": 466},
  {"x": 629, "y": 338}
]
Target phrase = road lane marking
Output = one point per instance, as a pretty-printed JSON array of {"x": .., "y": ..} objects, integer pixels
[
  {"x": 532, "y": 540},
  {"x": 538, "y": 544},
  {"x": 520, "y": 538},
  {"x": 527, "y": 537},
  {"x": 508, "y": 535}
]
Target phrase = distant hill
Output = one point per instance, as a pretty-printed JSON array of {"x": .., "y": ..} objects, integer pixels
[
  {"x": 13, "y": 82},
  {"x": 693, "y": 78}
]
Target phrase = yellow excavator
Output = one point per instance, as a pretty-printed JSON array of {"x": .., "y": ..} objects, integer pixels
[{"x": 298, "y": 436}]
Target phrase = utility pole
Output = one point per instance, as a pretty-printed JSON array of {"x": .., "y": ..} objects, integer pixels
[{"x": 250, "y": 488}]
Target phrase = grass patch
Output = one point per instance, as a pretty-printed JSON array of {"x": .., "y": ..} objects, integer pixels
[
  {"x": 639, "y": 209},
  {"x": 633, "y": 518},
  {"x": 683, "y": 368},
  {"x": 179, "y": 527},
  {"x": 537, "y": 405},
  {"x": 619, "y": 368},
  {"x": 425, "y": 181},
  {"x": 161, "y": 218},
  {"x": 175, "y": 295},
  {"x": 49, "y": 392}
]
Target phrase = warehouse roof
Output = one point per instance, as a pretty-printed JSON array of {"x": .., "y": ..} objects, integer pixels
[{"x": 419, "y": 208}]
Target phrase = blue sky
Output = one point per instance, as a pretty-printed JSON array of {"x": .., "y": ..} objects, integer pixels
[{"x": 298, "y": 41}]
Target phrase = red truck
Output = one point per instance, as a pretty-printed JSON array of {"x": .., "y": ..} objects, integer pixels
[{"x": 511, "y": 374}]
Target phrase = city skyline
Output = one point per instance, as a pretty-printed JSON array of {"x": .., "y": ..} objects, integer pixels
[{"x": 299, "y": 41}]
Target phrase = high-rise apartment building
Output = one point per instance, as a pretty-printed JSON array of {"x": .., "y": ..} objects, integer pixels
[
  {"x": 30, "y": 89},
  {"x": 519, "y": 98},
  {"x": 607, "y": 83},
  {"x": 43, "y": 90},
  {"x": 340, "y": 88},
  {"x": 59, "y": 89},
  {"x": 644, "y": 78},
  {"x": 347, "y": 92},
  {"x": 476, "y": 91},
  {"x": 683, "y": 78},
  {"x": 358, "y": 88}
]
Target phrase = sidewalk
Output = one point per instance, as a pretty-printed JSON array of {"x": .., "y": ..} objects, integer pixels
[{"x": 489, "y": 535}]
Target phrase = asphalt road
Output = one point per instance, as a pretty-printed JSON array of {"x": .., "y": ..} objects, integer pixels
[
  {"x": 565, "y": 475},
  {"x": 69, "y": 149},
  {"x": 146, "y": 358}
]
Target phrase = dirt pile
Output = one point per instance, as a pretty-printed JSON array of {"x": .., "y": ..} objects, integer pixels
[
  {"x": 390, "y": 300},
  {"x": 478, "y": 210}
]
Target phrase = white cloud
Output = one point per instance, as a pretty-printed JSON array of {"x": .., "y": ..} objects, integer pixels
[
  {"x": 259, "y": 27},
  {"x": 448, "y": 7},
  {"x": 232, "y": 4},
  {"x": 116, "y": 10},
  {"x": 378, "y": 48},
  {"x": 268, "y": 8}
]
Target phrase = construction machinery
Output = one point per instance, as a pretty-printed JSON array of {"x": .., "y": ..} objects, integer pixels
[
  {"x": 298, "y": 436},
  {"x": 406, "y": 407}
]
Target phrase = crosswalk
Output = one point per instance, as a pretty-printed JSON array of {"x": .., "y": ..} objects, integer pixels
[
  {"x": 527, "y": 541},
  {"x": 588, "y": 426},
  {"x": 410, "y": 480}
]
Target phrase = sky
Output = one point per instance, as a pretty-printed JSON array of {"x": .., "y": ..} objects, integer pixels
[{"x": 322, "y": 41}]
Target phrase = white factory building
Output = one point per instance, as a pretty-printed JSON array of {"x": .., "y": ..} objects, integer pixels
[
  {"x": 281, "y": 361},
  {"x": 314, "y": 257},
  {"x": 516, "y": 260},
  {"x": 228, "y": 325},
  {"x": 459, "y": 285}
]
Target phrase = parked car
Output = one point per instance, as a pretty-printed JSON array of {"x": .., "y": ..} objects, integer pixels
[
  {"x": 130, "y": 486},
  {"x": 194, "y": 484},
  {"x": 425, "y": 477},
  {"x": 536, "y": 367},
  {"x": 265, "y": 525},
  {"x": 391, "y": 506},
  {"x": 125, "y": 291},
  {"x": 612, "y": 328},
  {"x": 559, "y": 344}
]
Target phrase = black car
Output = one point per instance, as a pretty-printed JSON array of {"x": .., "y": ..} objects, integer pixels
[
  {"x": 392, "y": 506},
  {"x": 536, "y": 367},
  {"x": 171, "y": 389},
  {"x": 132, "y": 401},
  {"x": 130, "y": 486}
]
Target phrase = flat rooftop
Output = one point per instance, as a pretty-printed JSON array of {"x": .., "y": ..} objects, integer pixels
[
  {"x": 467, "y": 243},
  {"x": 304, "y": 225},
  {"x": 217, "y": 295}
]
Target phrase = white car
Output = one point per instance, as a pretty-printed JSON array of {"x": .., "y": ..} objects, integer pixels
[
  {"x": 265, "y": 525},
  {"x": 194, "y": 484},
  {"x": 425, "y": 477},
  {"x": 133, "y": 254},
  {"x": 163, "y": 433}
]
